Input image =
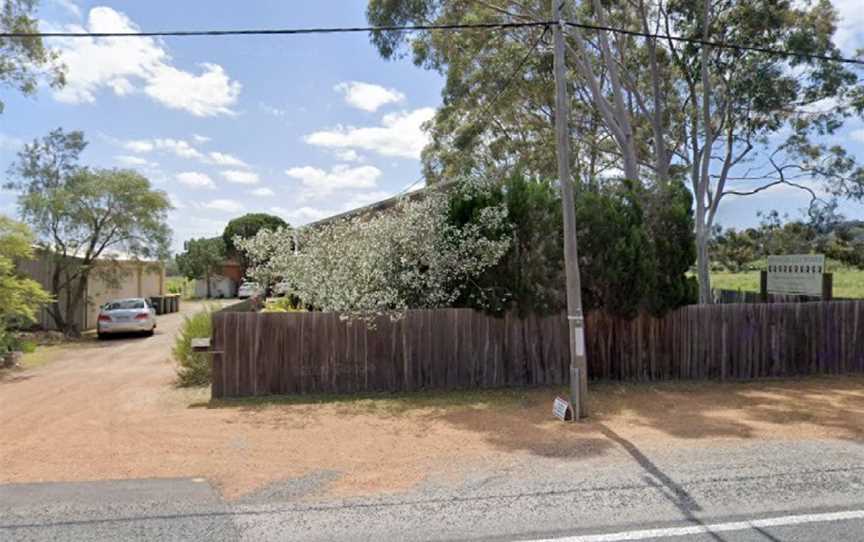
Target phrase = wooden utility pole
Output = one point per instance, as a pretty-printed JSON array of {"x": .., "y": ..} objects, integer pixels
[{"x": 575, "y": 318}]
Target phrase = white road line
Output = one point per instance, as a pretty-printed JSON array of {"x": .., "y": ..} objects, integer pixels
[{"x": 647, "y": 534}]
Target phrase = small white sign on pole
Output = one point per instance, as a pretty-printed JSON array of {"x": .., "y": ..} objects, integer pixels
[{"x": 796, "y": 274}]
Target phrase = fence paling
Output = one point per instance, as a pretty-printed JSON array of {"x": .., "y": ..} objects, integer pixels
[{"x": 278, "y": 353}]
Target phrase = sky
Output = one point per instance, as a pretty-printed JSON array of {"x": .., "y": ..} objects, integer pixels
[{"x": 298, "y": 126}]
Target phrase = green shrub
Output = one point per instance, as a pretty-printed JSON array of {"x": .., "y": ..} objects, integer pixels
[
  {"x": 194, "y": 367},
  {"x": 281, "y": 304}
]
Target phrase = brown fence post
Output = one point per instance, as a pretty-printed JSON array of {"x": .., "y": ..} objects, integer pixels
[
  {"x": 827, "y": 286},
  {"x": 763, "y": 286}
]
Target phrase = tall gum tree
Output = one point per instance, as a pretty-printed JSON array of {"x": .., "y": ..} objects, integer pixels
[{"x": 730, "y": 122}]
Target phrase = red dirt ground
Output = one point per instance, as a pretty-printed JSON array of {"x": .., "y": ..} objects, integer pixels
[{"x": 109, "y": 410}]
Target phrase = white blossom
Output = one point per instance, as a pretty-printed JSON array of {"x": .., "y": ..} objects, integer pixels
[{"x": 407, "y": 257}]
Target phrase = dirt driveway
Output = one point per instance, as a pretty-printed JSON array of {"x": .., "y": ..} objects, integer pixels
[{"x": 109, "y": 410}]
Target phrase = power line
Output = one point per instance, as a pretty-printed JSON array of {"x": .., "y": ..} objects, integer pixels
[
  {"x": 277, "y": 31},
  {"x": 717, "y": 44},
  {"x": 430, "y": 27},
  {"x": 488, "y": 106}
]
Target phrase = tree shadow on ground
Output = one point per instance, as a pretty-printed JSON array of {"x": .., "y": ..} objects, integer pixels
[
  {"x": 813, "y": 406},
  {"x": 14, "y": 375},
  {"x": 521, "y": 420}
]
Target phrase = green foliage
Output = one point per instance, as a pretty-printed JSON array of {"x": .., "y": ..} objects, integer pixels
[
  {"x": 20, "y": 297},
  {"x": 81, "y": 215},
  {"x": 839, "y": 239},
  {"x": 848, "y": 281},
  {"x": 642, "y": 106},
  {"x": 635, "y": 247},
  {"x": 616, "y": 256},
  {"x": 202, "y": 259},
  {"x": 282, "y": 304},
  {"x": 669, "y": 219},
  {"x": 23, "y": 62},
  {"x": 246, "y": 227},
  {"x": 193, "y": 367},
  {"x": 534, "y": 215},
  {"x": 180, "y": 285}
]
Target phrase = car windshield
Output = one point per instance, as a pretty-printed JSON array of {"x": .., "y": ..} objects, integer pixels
[{"x": 125, "y": 304}]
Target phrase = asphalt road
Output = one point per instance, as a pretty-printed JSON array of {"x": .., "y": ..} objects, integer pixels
[{"x": 755, "y": 492}]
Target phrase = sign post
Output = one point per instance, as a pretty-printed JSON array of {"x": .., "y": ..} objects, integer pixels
[{"x": 797, "y": 274}]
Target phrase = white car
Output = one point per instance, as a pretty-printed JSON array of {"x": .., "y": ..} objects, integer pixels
[
  {"x": 249, "y": 289},
  {"x": 134, "y": 315}
]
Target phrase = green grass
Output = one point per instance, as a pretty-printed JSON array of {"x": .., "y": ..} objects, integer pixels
[
  {"x": 848, "y": 282},
  {"x": 193, "y": 367},
  {"x": 180, "y": 285},
  {"x": 392, "y": 404}
]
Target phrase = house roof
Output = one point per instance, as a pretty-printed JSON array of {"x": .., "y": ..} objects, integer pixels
[{"x": 384, "y": 204}]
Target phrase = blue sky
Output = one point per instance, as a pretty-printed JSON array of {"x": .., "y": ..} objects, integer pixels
[{"x": 299, "y": 126}]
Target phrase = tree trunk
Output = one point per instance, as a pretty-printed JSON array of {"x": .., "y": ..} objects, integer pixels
[
  {"x": 703, "y": 260},
  {"x": 54, "y": 309},
  {"x": 207, "y": 279},
  {"x": 75, "y": 302}
]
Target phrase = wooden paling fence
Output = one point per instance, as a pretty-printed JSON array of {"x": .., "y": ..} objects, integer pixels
[
  {"x": 301, "y": 353},
  {"x": 745, "y": 296}
]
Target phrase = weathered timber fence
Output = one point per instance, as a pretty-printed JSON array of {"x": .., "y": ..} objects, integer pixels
[
  {"x": 746, "y": 296},
  {"x": 299, "y": 353}
]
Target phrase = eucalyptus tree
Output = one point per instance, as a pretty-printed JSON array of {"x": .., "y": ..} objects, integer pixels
[
  {"x": 81, "y": 215},
  {"x": 660, "y": 104},
  {"x": 25, "y": 61}
]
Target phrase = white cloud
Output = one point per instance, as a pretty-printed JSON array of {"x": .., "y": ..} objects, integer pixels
[
  {"x": 205, "y": 95},
  {"x": 240, "y": 177},
  {"x": 367, "y": 96},
  {"x": 317, "y": 182},
  {"x": 400, "y": 134},
  {"x": 195, "y": 179},
  {"x": 138, "y": 145},
  {"x": 10, "y": 143},
  {"x": 178, "y": 147},
  {"x": 226, "y": 205},
  {"x": 364, "y": 199},
  {"x": 134, "y": 161},
  {"x": 348, "y": 155},
  {"x": 857, "y": 135},
  {"x": 200, "y": 138},
  {"x": 262, "y": 192},
  {"x": 175, "y": 202},
  {"x": 130, "y": 65},
  {"x": 70, "y": 7},
  {"x": 307, "y": 214},
  {"x": 182, "y": 149},
  {"x": 850, "y": 27},
  {"x": 224, "y": 159},
  {"x": 302, "y": 215}
]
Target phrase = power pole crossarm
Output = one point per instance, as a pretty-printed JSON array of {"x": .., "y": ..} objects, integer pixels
[{"x": 575, "y": 318}]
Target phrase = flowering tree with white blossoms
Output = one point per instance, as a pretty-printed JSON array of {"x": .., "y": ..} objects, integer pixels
[{"x": 407, "y": 257}]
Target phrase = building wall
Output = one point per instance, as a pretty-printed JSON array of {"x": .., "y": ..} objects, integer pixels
[
  {"x": 231, "y": 270},
  {"x": 135, "y": 279},
  {"x": 220, "y": 287},
  {"x": 41, "y": 269}
]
